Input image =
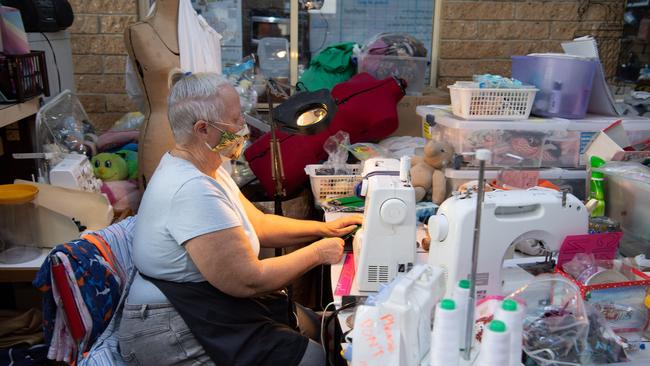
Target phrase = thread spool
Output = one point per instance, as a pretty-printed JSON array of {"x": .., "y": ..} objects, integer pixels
[
  {"x": 495, "y": 348},
  {"x": 513, "y": 316},
  {"x": 460, "y": 295},
  {"x": 445, "y": 342}
]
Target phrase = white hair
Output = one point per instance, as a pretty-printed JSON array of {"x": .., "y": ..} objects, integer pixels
[{"x": 194, "y": 97}]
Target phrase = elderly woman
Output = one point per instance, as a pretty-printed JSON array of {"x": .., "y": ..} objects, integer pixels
[{"x": 201, "y": 294}]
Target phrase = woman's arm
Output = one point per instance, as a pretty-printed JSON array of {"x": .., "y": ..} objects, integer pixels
[
  {"x": 277, "y": 231},
  {"x": 226, "y": 260}
]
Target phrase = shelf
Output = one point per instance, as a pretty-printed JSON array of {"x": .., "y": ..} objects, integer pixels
[{"x": 10, "y": 113}]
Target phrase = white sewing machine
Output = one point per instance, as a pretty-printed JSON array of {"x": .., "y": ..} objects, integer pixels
[
  {"x": 507, "y": 217},
  {"x": 385, "y": 245}
]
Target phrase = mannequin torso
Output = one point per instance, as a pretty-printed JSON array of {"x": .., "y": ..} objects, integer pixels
[{"x": 153, "y": 47}]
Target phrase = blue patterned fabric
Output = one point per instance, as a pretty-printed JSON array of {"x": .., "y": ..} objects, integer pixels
[
  {"x": 104, "y": 351},
  {"x": 99, "y": 286}
]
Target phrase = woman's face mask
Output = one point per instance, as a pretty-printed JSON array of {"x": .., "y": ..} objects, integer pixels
[{"x": 230, "y": 144}]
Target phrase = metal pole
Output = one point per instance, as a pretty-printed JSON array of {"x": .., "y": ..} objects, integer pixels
[
  {"x": 471, "y": 304},
  {"x": 276, "y": 164}
]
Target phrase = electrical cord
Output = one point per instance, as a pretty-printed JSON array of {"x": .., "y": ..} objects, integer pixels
[
  {"x": 56, "y": 64},
  {"x": 325, "y": 326},
  {"x": 322, "y": 330}
]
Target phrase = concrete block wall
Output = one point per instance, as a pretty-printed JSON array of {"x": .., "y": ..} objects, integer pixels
[
  {"x": 479, "y": 36},
  {"x": 99, "y": 56}
]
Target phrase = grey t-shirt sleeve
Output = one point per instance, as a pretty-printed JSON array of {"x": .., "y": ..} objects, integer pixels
[{"x": 200, "y": 207}]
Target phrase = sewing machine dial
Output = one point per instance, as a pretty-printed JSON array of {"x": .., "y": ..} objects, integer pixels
[
  {"x": 438, "y": 227},
  {"x": 393, "y": 211}
]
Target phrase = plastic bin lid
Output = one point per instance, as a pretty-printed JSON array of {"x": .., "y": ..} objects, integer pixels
[
  {"x": 595, "y": 123},
  {"x": 444, "y": 117},
  {"x": 11, "y": 194},
  {"x": 550, "y": 173}
]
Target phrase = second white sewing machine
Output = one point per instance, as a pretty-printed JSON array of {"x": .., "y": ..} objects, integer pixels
[{"x": 386, "y": 244}]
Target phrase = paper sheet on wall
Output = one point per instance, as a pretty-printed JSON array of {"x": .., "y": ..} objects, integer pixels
[{"x": 602, "y": 101}]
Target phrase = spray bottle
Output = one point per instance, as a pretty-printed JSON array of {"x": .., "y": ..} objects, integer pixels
[{"x": 597, "y": 187}]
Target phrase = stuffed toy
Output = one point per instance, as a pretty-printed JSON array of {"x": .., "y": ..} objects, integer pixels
[
  {"x": 109, "y": 167},
  {"x": 131, "y": 159},
  {"x": 427, "y": 172}
]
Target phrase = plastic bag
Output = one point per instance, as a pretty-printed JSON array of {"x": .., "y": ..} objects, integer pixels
[
  {"x": 128, "y": 122},
  {"x": 556, "y": 323},
  {"x": 242, "y": 77},
  {"x": 62, "y": 126},
  {"x": 395, "y": 44},
  {"x": 335, "y": 146},
  {"x": 364, "y": 151}
]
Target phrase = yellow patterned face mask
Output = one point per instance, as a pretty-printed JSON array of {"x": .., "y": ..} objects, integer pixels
[{"x": 230, "y": 144}]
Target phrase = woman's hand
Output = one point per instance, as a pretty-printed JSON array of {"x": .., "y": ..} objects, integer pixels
[
  {"x": 341, "y": 226},
  {"x": 330, "y": 250}
]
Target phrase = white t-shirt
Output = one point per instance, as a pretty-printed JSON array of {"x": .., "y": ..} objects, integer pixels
[{"x": 181, "y": 203}]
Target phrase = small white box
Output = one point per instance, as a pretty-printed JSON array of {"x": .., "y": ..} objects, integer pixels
[{"x": 75, "y": 172}]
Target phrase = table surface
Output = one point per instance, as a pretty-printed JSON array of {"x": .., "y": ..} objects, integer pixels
[{"x": 23, "y": 272}]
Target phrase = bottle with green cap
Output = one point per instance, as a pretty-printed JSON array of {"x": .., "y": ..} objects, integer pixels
[
  {"x": 495, "y": 345},
  {"x": 445, "y": 347},
  {"x": 597, "y": 186},
  {"x": 512, "y": 315},
  {"x": 460, "y": 294}
]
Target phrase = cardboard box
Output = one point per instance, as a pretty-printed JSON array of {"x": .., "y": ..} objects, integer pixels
[
  {"x": 613, "y": 144},
  {"x": 410, "y": 123}
]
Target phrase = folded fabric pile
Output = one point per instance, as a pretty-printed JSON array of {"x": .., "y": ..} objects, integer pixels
[{"x": 96, "y": 280}]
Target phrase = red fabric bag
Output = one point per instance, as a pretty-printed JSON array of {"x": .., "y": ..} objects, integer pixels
[{"x": 367, "y": 110}]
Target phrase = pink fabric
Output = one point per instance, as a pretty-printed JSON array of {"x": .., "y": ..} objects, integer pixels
[
  {"x": 114, "y": 139},
  {"x": 123, "y": 194}
]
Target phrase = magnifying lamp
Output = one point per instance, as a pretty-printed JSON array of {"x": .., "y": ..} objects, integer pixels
[{"x": 304, "y": 113}]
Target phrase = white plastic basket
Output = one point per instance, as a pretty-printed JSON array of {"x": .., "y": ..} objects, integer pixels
[
  {"x": 491, "y": 104},
  {"x": 328, "y": 186}
]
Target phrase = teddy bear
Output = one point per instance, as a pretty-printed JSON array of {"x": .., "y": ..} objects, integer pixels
[{"x": 427, "y": 172}]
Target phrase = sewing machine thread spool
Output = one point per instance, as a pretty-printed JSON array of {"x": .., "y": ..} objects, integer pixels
[
  {"x": 513, "y": 316},
  {"x": 495, "y": 348},
  {"x": 445, "y": 341},
  {"x": 460, "y": 294}
]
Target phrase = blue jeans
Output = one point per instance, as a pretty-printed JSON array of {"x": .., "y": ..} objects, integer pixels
[{"x": 155, "y": 334}]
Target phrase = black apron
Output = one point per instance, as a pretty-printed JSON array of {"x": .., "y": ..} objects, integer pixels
[{"x": 237, "y": 331}]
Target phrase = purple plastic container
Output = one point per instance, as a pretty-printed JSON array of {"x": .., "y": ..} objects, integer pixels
[{"x": 564, "y": 83}]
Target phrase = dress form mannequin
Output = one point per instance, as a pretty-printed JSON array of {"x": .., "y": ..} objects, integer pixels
[{"x": 152, "y": 45}]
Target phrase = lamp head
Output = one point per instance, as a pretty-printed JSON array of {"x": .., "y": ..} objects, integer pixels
[{"x": 306, "y": 113}]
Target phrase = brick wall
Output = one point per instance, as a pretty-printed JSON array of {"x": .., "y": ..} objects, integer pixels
[
  {"x": 480, "y": 36},
  {"x": 98, "y": 55}
]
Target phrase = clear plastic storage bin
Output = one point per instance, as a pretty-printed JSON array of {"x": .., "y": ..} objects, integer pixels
[
  {"x": 566, "y": 148},
  {"x": 411, "y": 69},
  {"x": 564, "y": 83},
  {"x": 513, "y": 143},
  {"x": 572, "y": 180}
]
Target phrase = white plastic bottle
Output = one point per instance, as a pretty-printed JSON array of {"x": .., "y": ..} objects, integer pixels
[
  {"x": 460, "y": 295},
  {"x": 445, "y": 347},
  {"x": 512, "y": 314},
  {"x": 495, "y": 348}
]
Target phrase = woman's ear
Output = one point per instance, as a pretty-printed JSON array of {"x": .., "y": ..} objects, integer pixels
[{"x": 200, "y": 127}]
